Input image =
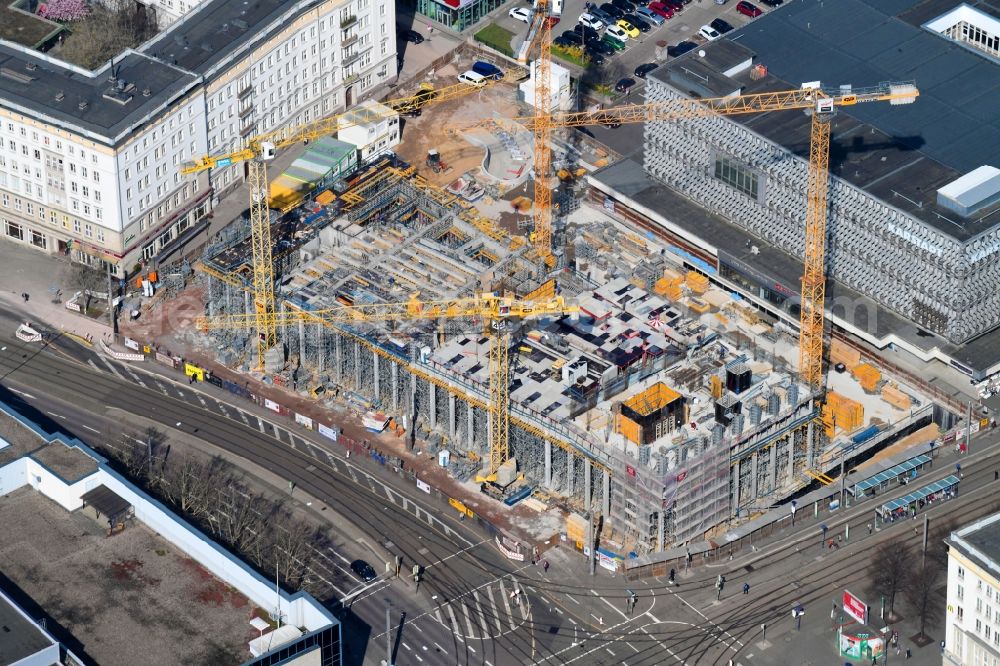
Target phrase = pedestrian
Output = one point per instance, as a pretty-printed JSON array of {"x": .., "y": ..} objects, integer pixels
[
  {"x": 996, "y": 475},
  {"x": 908, "y": 653},
  {"x": 897, "y": 649},
  {"x": 874, "y": 660},
  {"x": 942, "y": 647},
  {"x": 746, "y": 588},
  {"x": 833, "y": 612},
  {"x": 869, "y": 529},
  {"x": 27, "y": 297},
  {"x": 545, "y": 565}
]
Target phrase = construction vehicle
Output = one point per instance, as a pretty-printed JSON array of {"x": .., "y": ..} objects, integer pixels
[
  {"x": 821, "y": 103},
  {"x": 499, "y": 313},
  {"x": 434, "y": 162},
  {"x": 263, "y": 148}
]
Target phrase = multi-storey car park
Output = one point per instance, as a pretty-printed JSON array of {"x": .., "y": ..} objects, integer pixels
[
  {"x": 89, "y": 159},
  {"x": 913, "y": 225}
]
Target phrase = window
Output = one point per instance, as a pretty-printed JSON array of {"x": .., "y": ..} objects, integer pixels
[
  {"x": 960, "y": 573},
  {"x": 960, "y": 593},
  {"x": 737, "y": 175},
  {"x": 100, "y": 235},
  {"x": 15, "y": 231},
  {"x": 38, "y": 239}
]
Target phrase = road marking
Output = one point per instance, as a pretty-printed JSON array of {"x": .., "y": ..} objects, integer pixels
[
  {"x": 633, "y": 647},
  {"x": 58, "y": 416},
  {"x": 496, "y": 616},
  {"x": 163, "y": 388},
  {"x": 407, "y": 647},
  {"x": 90, "y": 429},
  {"x": 482, "y": 614},
  {"x": 705, "y": 617},
  {"x": 200, "y": 399},
  {"x": 506, "y": 604},
  {"x": 440, "y": 648},
  {"x": 260, "y": 424},
  {"x": 571, "y": 598},
  {"x": 28, "y": 395},
  {"x": 243, "y": 415},
  {"x": 615, "y": 608},
  {"x": 454, "y": 621},
  {"x": 345, "y": 560},
  {"x": 437, "y": 615},
  {"x": 468, "y": 621},
  {"x": 456, "y": 553},
  {"x": 222, "y": 408},
  {"x": 112, "y": 368},
  {"x": 651, "y": 617},
  {"x": 135, "y": 377},
  {"x": 610, "y": 652}
]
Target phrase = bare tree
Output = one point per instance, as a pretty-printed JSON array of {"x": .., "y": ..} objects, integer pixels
[
  {"x": 937, "y": 550},
  {"x": 924, "y": 594},
  {"x": 111, "y": 27},
  {"x": 88, "y": 280},
  {"x": 295, "y": 543},
  {"x": 890, "y": 570}
]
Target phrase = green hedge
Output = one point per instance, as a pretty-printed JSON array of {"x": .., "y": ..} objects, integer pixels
[
  {"x": 497, "y": 38},
  {"x": 573, "y": 54}
]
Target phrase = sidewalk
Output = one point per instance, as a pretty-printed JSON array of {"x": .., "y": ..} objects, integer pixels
[{"x": 41, "y": 276}]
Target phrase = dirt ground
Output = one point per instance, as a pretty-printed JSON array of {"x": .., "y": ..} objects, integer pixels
[{"x": 433, "y": 129}]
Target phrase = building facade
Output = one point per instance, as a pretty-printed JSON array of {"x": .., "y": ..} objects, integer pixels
[
  {"x": 972, "y": 617},
  {"x": 89, "y": 160}
]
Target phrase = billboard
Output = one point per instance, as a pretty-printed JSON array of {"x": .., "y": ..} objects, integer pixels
[{"x": 855, "y": 607}]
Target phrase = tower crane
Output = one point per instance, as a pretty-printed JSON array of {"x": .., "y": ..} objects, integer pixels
[
  {"x": 263, "y": 148},
  {"x": 500, "y": 312},
  {"x": 813, "y": 98}
]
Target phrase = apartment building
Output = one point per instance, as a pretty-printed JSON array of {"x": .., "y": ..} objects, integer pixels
[
  {"x": 972, "y": 617},
  {"x": 89, "y": 160}
]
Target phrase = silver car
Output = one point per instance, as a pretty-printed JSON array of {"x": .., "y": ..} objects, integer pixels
[{"x": 649, "y": 15}]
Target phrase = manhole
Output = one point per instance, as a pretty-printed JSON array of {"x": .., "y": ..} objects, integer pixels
[
  {"x": 553, "y": 630},
  {"x": 311, "y": 468},
  {"x": 389, "y": 545},
  {"x": 749, "y": 568},
  {"x": 423, "y": 551}
]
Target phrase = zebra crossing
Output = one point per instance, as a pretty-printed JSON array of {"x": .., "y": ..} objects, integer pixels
[{"x": 487, "y": 612}]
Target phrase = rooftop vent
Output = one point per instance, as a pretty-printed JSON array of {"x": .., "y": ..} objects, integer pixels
[
  {"x": 30, "y": 66},
  {"x": 972, "y": 192},
  {"x": 146, "y": 92},
  {"x": 120, "y": 93},
  {"x": 241, "y": 24},
  {"x": 82, "y": 105},
  {"x": 15, "y": 75},
  {"x": 60, "y": 96}
]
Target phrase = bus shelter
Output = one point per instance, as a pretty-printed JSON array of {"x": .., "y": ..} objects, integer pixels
[
  {"x": 900, "y": 474},
  {"x": 909, "y": 505}
]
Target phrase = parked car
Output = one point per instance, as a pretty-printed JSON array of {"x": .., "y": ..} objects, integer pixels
[
  {"x": 680, "y": 49},
  {"x": 772, "y": 3},
  {"x": 648, "y": 14},
  {"x": 562, "y": 41},
  {"x": 624, "y": 5},
  {"x": 605, "y": 18},
  {"x": 628, "y": 28},
  {"x": 612, "y": 11},
  {"x": 521, "y": 14},
  {"x": 676, "y": 5},
  {"x": 638, "y": 22},
  {"x": 642, "y": 70},
  {"x": 613, "y": 42},
  {"x": 709, "y": 33},
  {"x": 748, "y": 9},
  {"x": 363, "y": 570},
  {"x": 573, "y": 37},
  {"x": 472, "y": 78},
  {"x": 589, "y": 34},
  {"x": 488, "y": 70},
  {"x": 722, "y": 26},
  {"x": 618, "y": 33},
  {"x": 602, "y": 48},
  {"x": 596, "y": 59},
  {"x": 591, "y": 21},
  {"x": 411, "y": 36},
  {"x": 624, "y": 85},
  {"x": 663, "y": 10}
]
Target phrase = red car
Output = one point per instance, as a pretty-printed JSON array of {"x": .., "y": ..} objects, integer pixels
[
  {"x": 661, "y": 9},
  {"x": 677, "y": 5},
  {"x": 748, "y": 9}
]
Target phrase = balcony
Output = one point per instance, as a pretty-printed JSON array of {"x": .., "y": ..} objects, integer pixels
[{"x": 348, "y": 22}]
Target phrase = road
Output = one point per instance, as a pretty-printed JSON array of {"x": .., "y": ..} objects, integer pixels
[{"x": 464, "y": 613}]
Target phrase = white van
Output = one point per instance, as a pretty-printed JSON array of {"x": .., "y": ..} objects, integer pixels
[{"x": 472, "y": 78}]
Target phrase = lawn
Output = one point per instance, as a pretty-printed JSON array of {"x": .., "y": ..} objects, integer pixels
[{"x": 496, "y": 37}]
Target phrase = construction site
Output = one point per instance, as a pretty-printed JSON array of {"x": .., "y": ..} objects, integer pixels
[{"x": 531, "y": 345}]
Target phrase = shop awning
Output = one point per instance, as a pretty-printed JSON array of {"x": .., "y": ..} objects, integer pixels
[{"x": 922, "y": 494}]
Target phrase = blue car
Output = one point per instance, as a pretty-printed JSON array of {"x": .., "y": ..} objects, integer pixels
[{"x": 488, "y": 70}]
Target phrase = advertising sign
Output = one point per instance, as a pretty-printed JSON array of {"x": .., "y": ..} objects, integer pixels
[
  {"x": 855, "y": 607},
  {"x": 327, "y": 431},
  {"x": 304, "y": 420},
  {"x": 272, "y": 405},
  {"x": 131, "y": 344},
  {"x": 510, "y": 553},
  {"x": 422, "y": 485}
]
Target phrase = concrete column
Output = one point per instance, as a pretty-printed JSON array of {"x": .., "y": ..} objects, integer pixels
[
  {"x": 570, "y": 474},
  {"x": 338, "y": 357},
  {"x": 210, "y": 301},
  {"x": 357, "y": 365},
  {"x": 809, "y": 446},
  {"x": 432, "y": 399},
  {"x": 378, "y": 378},
  {"x": 471, "y": 411},
  {"x": 302, "y": 342},
  {"x": 791, "y": 458},
  {"x": 320, "y": 348},
  {"x": 411, "y": 400},
  {"x": 451, "y": 418},
  {"x": 734, "y": 500},
  {"x": 548, "y": 464},
  {"x": 229, "y": 297},
  {"x": 753, "y": 476},
  {"x": 606, "y": 487},
  {"x": 394, "y": 373},
  {"x": 588, "y": 495},
  {"x": 772, "y": 467},
  {"x": 661, "y": 519}
]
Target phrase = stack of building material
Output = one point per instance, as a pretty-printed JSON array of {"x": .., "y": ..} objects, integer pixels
[
  {"x": 868, "y": 376},
  {"x": 669, "y": 285},
  {"x": 841, "y": 353},
  {"x": 697, "y": 282},
  {"x": 326, "y": 161},
  {"x": 841, "y": 413},
  {"x": 576, "y": 528},
  {"x": 892, "y": 395}
]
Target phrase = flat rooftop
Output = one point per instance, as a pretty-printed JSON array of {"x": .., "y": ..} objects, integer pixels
[
  {"x": 900, "y": 154},
  {"x": 198, "y": 45},
  {"x": 980, "y": 541},
  {"x": 128, "y": 599},
  {"x": 712, "y": 231},
  {"x": 68, "y": 463},
  {"x": 21, "y": 638}
]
